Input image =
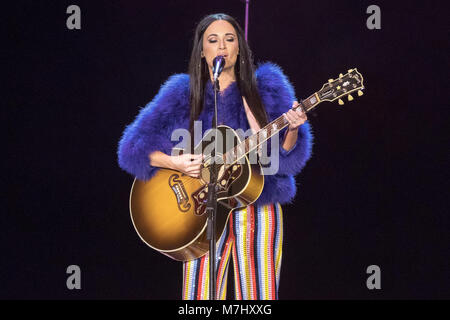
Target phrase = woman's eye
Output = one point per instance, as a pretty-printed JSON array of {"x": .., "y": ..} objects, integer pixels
[{"x": 214, "y": 41}]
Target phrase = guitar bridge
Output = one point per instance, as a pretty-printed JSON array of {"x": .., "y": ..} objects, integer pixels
[{"x": 180, "y": 192}]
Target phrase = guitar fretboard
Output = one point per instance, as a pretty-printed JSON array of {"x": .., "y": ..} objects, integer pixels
[{"x": 254, "y": 141}]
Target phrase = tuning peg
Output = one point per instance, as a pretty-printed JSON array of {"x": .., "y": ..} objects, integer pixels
[
  {"x": 340, "y": 75},
  {"x": 338, "y": 87},
  {"x": 340, "y": 102},
  {"x": 350, "y": 98},
  {"x": 330, "y": 80},
  {"x": 349, "y": 70},
  {"x": 360, "y": 93}
]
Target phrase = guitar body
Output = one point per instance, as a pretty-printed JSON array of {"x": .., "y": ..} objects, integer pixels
[{"x": 169, "y": 210}]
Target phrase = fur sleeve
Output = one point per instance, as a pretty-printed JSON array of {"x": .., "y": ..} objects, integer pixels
[
  {"x": 152, "y": 128},
  {"x": 278, "y": 95}
]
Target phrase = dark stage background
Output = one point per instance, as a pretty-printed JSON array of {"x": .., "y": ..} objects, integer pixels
[{"x": 373, "y": 193}]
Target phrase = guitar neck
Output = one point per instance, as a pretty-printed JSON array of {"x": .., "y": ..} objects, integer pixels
[
  {"x": 264, "y": 134},
  {"x": 331, "y": 91}
]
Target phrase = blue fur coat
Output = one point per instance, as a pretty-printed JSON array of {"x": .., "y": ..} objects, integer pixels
[{"x": 153, "y": 126}]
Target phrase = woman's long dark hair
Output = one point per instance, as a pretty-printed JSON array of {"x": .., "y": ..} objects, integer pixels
[{"x": 244, "y": 71}]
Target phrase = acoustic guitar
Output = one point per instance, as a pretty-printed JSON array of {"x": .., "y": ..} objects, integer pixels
[{"x": 168, "y": 211}]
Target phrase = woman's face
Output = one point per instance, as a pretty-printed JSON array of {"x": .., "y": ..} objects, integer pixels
[{"x": 220, "y": 38}]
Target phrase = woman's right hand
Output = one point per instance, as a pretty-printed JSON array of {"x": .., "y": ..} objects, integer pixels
[{"x": 188, "y": 164}]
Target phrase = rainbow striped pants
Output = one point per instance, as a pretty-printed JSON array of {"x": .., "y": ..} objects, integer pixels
[{"x": 254, "y": 237}]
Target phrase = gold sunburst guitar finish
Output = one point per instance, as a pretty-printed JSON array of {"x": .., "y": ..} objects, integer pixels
[{"x": 169, "y": 210}]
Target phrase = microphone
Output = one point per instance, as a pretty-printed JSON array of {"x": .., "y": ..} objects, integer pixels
[{"x": 218, "y": 64}]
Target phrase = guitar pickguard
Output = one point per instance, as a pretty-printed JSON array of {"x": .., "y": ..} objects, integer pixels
[{"x": 223, "y": 187}]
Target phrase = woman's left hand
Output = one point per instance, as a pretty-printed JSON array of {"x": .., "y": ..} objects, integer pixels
[{"x": 295, "y": 118}]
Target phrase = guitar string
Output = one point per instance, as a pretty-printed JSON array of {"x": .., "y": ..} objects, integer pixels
[{"x": 280, "y": 121}]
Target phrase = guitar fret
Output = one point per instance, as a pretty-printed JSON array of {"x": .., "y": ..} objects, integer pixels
[{"x": 264, "y": 133}]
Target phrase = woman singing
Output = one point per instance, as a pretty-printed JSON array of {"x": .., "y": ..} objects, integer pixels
[{"x": 249, "y": 98}]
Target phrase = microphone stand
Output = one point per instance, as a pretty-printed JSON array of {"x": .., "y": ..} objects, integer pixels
[{"x": 211, "y": 206}]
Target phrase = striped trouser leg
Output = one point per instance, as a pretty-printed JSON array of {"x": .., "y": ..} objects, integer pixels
[
  {"x": 257, "y": 252},
  {"x": 196, "y": 272},
  {"x": 254, "y": 237}
]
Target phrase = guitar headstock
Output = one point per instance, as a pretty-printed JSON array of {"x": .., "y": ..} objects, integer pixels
[{"x": 342, "y": 86}]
